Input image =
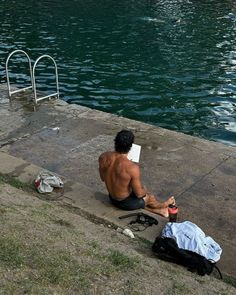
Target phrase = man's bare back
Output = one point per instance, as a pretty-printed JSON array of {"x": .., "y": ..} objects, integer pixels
[{"x": 120, "y": 175}]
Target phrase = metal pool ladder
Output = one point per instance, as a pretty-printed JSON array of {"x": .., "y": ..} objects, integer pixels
[
  {"x": 32, "y": 77},
  {"x": 36, "y": 98},
  {"x": 7, "y": 73}
]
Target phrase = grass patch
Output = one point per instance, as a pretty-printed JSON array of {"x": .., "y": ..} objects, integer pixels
[
  {"x": 2, "y": 210},
  {"x": 94, "y": 244},
  {"x": 63, "y": 222},
  {"x": 180, "y": 288},
  {"x": 121, "y": 261},
  {"x": 46, "y": 206},
  {"x": 144, "y": 242},
  {"x": 34, "y": 267},
  {"x": 59, "y": 269},
  {"x": 229, "y": 280},
  {"x": 4, "y": 178},
  {"x": 49, "y": 267},
  {"x": 10, "y": 252},
  {"x": 44, "y": 266}
]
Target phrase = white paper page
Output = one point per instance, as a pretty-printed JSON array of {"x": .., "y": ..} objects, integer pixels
[{"x": 134, "y": 153}]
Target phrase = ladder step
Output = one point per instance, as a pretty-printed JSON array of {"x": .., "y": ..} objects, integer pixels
[
  {"x": 22, "y": 89},
  {"x": 47, "y": 96}
]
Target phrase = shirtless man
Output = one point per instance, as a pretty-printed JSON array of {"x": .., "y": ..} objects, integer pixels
[{"x": 123, "y": 180}]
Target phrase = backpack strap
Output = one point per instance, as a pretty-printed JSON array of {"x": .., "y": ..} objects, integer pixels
[{"x": 220, "y": 274}]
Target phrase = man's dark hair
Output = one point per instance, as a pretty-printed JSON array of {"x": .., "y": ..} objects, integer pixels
[{"x": 123, "y": 141}]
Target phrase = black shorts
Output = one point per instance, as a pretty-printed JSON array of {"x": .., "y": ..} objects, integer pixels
[{"x": 130, "y": 203}]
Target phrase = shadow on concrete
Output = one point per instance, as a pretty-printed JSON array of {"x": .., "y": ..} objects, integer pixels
[{"x": 103, "y": 198}]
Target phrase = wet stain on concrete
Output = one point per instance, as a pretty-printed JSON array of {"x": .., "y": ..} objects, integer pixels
[
  {"x": 229, "y": 170},
  {"x": 19, "y": 170}
]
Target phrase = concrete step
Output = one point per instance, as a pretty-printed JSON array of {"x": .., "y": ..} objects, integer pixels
[{"x": 77, "y": 196}]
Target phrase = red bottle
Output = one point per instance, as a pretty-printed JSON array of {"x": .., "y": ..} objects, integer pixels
[{"x": 173, "y": 211}]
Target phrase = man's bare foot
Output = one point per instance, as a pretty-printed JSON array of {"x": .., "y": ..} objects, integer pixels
[
  {"x": 162, "y": 211},
  {"x": 170, "y": 201}
]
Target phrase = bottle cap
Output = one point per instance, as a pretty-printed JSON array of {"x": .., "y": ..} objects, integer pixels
[{"x": 173, "y": 209}]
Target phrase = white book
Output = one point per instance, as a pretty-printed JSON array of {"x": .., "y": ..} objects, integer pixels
[{"x": 134, "y": 153}]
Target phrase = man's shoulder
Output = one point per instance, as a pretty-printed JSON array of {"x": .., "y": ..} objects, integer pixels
[
  {"x": 130, "y": 165},
  {"x": 106, "y": 155},
  {"x": 133, "y": 168},
  {"x": 134, "y": 165}
]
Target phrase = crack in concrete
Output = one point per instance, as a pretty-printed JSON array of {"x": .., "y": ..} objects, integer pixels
[{"x": 204, "y": 176}]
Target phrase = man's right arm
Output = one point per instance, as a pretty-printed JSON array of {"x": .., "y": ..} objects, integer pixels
[{"x": 135, "y": 182}]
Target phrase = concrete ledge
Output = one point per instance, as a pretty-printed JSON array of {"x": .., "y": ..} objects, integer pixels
[
  {"x": 76, "y": 195},
  {"x": 67, "y": 140}
]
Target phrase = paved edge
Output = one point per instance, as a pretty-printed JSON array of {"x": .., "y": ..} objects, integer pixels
[{"x": 75, "y": 195}]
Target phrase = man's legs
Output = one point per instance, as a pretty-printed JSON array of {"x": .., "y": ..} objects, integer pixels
[{"x": 151, "y": 204}]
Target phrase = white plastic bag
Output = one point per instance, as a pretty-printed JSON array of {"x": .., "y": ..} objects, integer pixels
[
  {"x": 128, "y": 233},
  {"x": 46, "y": 181}
]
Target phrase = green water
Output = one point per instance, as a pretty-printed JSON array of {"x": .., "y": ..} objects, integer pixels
[{"x": 169, "y": 63}]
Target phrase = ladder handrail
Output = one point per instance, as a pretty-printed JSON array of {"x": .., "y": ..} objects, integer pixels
[
  {"x": 34, "y": 80},
  {"x": 7, "y": 72}
]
